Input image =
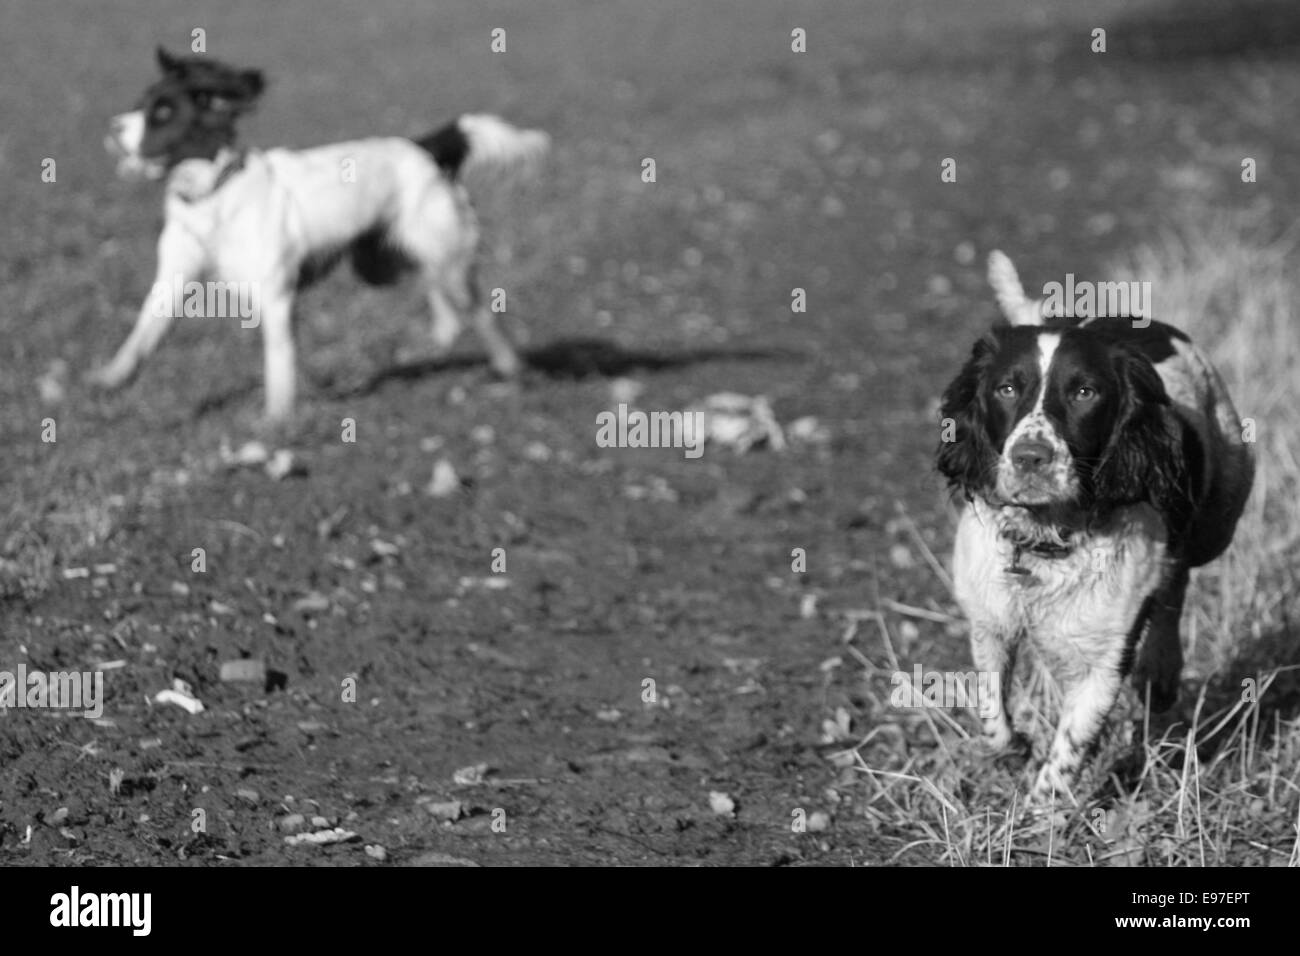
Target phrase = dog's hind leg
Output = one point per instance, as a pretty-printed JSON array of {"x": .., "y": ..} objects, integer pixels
[
  {"x": 452, "y": 298},
  {"x": 446, "y": 320},
  {"x": 441, "y": 234},
  {"x": 505, "y": 360},
  {"x": 1160, "y": 659},
  {"x": 180, "y": 259}
]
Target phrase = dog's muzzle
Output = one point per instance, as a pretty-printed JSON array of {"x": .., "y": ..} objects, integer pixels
[
  {"x": 1032, "y": 473},
  {"x": 125, "y": 132}
]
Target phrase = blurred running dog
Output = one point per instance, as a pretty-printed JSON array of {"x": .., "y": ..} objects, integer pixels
[{"x": 276, "y": 220}]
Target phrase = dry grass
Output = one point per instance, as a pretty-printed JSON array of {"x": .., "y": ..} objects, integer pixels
[
  {"x": 1238, "y": 296},
  {"x": 1218, "y": 781}
]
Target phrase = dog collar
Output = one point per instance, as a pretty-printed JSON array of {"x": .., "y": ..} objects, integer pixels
[
  {"x": 1043, "y": 549},
  {"x": 229, "y": 162},
  {"x": 233, "y": 165}
]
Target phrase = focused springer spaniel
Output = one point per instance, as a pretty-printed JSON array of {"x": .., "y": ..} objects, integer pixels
[
  {"x": 279, "y": 219},
  {"x": 1102, "y": 460}
]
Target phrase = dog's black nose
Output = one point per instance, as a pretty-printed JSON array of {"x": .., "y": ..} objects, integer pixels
[{"x": 1031, "y": 455}]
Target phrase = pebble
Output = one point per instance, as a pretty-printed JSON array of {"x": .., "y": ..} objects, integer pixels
[
  {"x": 250, "y": 454},
  {"x": 321, "y": 838},
  {"x": 450, "y": 810},
  {"x": 252, "y": 670},
  {"x": 313, "y": 602},
  {"x": 722, "y": 804},
  {"x": 440, "y": 859},
  {"x": 444, "y": 482}
]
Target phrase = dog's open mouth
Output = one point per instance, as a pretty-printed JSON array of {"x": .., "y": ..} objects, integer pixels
[{"x": 130, "y": 166}]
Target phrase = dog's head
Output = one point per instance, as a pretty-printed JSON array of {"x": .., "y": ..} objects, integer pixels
[
  {"x": 1060, "y": 417},
  {"x": 188, "y": 114}
]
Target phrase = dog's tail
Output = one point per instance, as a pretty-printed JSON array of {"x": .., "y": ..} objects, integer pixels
[
  {"x": 481, "y": 140},
  {"x": 1016, "y": 306}
]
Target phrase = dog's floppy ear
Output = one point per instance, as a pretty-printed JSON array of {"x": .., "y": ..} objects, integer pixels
[
  {"x": 1145, "y": 459},
  {"x": 965, "y": 455},
  {"x": 169, "y": 64},
  {"x": 239, "y": 92},
  {"x": 252, "y": 84}
]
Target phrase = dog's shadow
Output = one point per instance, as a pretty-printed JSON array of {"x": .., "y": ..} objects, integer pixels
[
  {"x": 569, "y": 360},
  {"x": 1190, "y": 29},
  {"x": 1266, "y": 670},
  {"x": 1262, "y": 680},
  {"x": 563, "y": 360}
]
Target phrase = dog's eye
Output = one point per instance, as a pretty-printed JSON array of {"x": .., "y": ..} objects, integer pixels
[
  {"x": 161, "y": 112},
  {"x": 1005, "y": 390},
  {"x": 1084, "y": 393}
]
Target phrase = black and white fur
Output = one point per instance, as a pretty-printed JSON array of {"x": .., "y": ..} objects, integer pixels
[
  {"x": 1102, "y": 461},
  {"x": 278, "y": 219}
]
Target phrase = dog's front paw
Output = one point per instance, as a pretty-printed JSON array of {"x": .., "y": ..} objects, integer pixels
[
  {"x": 1010, "y": 751},
  {"x": 109, "y": 377},
  {"x": 507, "y": 365},
  {"x": 1051, "y": 790}
]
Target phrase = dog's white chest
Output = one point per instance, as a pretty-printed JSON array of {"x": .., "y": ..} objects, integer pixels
[
  {"x": 1067, "y": 601},
  {"x": 241, "y": 227}
]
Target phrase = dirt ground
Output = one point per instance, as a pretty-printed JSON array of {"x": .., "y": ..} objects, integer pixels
[{"x": 502, "y": 719}]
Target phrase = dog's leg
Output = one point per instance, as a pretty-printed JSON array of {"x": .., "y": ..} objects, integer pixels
[
  {"x": 446, "y": 320},
  {"x": 463, "y": 293},
  {"x": 502, "y": 355},
  {"x": 278, "y": 355},
  {"x": 1088, "y": 699},
  {"x": 180, "y": 259},
  {"x": 995, "y": 654},
  {"x": 1160, "y": 661}
]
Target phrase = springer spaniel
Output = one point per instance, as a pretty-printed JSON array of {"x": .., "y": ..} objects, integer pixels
[
  {"x": 1102, "y": 460},
  {"x": 274, "y": 221}
]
